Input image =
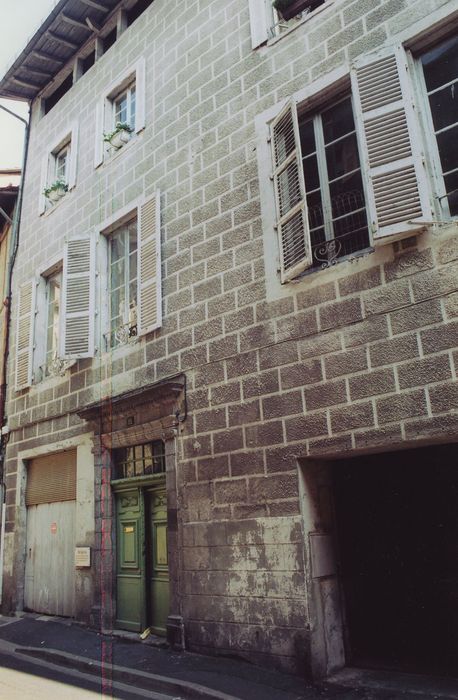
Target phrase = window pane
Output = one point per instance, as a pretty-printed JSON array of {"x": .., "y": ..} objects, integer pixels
[
  {"x": 451, "y": 185},
  {"x": 347, "y": 194},
  {"x": 311, "y": 176},
  {"x": 315, "y": 209},
  {"x": 307, "y": 135},
  {"x": 338, "y": 121},
  {"x": 121, "y": 108},
  {"x": 444, "y": 106},
  {"x": 448, "y": 148},
  {"x": 132, "y": 237},
  {"x": 441, "y": 64},
  {"x": 342, "y": 157}
]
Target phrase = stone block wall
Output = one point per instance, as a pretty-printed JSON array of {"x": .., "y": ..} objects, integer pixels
[{"x": 359, "y": 357}]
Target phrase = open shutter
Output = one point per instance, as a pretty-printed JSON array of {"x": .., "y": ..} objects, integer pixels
[
  {"x": 140, "y": 96},
  {"x": 78, "y": 294},
  {"x": 288, "y": 176},
  {"x": 43, "y": 183},
  {"x": 259, "y": 22},
  {"x": 73, "y": 158},
  {"x": 24, "y": 335},
  {"x": 390, "y": 139},
  {"x": 149, "y": 266},
  {"x": 99, "y": 126}
]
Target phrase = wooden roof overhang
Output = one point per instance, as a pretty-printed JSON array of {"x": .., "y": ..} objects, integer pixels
[{"x": 60, "y": 37}]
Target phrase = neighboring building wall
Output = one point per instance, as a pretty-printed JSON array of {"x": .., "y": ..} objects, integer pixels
[{"x": 356, "y": 358}]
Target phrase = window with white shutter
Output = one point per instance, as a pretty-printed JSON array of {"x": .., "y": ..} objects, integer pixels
[
  {"x": 78, "y": 299},
  {"x": 397, "y": 187},
  {"x": 120, "y": 113},
  {"x": 59, "y": 169},
  {"x": 24, "y": 334}
]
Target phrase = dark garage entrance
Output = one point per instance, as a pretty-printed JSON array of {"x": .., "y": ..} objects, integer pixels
[{"x": 397, "y": 525}]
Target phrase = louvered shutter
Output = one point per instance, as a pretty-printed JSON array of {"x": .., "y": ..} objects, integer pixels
[
  {"x": 288, "y": 176},
  {"x": 99, "y": 126},
  {"x": 149, "y": 266},
  {"x": 43, "y": 183},
  {"x": 259, "y": 22},
  {"x": 140, "y": 96},
  {"x": 390, "y": 139},
  {"x": 78, "y": 295},
  {"x": 24, "y": 335},
  {"x": 73, "y": 158}
]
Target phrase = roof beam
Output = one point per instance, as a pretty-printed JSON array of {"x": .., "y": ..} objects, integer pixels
[
  {"x": 25, "y": 83},
  {"x": 47, "y": 56},
  {"x": 38, "y": 71},
  {"x": 74, "y": 22},
  {"x": 96, "y": 5},
  {"x": 62, "y": 40}
]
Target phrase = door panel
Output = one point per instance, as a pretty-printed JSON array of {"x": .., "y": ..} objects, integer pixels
[
  {"x": 130, "y": 577},
  {"x": 157, "y": 562},
  {"x": 49, "y": 570}
]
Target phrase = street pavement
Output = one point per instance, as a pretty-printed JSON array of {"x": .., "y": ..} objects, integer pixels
[{"x": 43, "y": 657}]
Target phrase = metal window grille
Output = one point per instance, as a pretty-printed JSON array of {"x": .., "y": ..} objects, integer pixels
[{"x": 139, "y": 460}]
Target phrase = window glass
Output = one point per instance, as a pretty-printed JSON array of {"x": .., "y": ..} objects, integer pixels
[
  {"x": 53, "y": 302},
  {"x": 440, "y": 69},
  {"x": 334, "y": 188},
  {"x": 140, "y": 460},
  {"x": 62, "y": 159},
  {"x": 124, "y": 107},
  {"x": 122, "y": 246}
]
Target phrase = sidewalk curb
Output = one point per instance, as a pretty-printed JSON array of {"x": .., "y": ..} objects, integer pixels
[{"x": 147, "y": 681}]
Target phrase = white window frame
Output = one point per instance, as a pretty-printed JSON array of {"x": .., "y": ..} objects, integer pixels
[
  {"x": 131, "y": 320},
  {"x": 128, "y": 94},
  {"x": 440, "y": 200},
  {"x": 105, "y": 110},
  {"x": 67, "y": 140},
  {"x": 265, "y": 21}
]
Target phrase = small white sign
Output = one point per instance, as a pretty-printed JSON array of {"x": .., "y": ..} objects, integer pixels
[{"x": 82, "y": 557}]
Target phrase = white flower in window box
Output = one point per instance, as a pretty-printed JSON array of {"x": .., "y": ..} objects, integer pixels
[
  {"x": 121, "y": 135},
  {"x": 56, "y": 191}
]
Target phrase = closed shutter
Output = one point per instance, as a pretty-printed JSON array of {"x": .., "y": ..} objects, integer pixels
[
  {"x": 78, "y": 308},
  {"x": 51, "y": 478},
  {"x": 140, "y": 96},
  {"x": 259, "y": 22},
  {"x": 288, "y": 176},
  {"x": 389, "y": 134},
  {"x": 149, "y": 265},
  {"x": 24, "y": 336}
]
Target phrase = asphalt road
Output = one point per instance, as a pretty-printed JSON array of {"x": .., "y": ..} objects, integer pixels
[{"x": 22, "y": 678}]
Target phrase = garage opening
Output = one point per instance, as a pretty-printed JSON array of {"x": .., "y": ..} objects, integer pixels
[{"x": 397, "y": 536}]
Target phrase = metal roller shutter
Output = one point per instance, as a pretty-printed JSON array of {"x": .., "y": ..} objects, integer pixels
[{"x": 51, "y": 478}]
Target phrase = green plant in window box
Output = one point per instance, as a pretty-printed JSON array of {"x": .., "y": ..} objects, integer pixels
[
  {"x": 291, "y": 8},
  {"x": 119, "y": 136},
  {"x": 56, "y": 191}
]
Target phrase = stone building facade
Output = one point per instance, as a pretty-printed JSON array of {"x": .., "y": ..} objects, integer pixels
[{"x": 299, "y": 373}]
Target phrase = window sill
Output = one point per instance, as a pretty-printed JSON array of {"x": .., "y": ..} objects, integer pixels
[
  {"x": 56, "y": 205},
  {"x": 295, "y": 24},
  {"x": 111, "y": 157}
]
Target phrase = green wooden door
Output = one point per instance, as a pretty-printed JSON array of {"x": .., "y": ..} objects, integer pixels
[
  {"x": 157, "y": 561},
  {"x": 130, "y": 574}
]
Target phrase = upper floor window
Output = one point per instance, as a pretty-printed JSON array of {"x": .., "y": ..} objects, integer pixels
[
  {"x": 59, "y": 165},
  {"x": 122, "y": 287},
  {"x": 269, "y": 19},
  {"x": 124, "y": 106},
  {"x": 440, "y": 74},
  {"x": 62, "y": 159},
  {"x": 332, "y": 173},
  {"x": 53, "y": 298}
]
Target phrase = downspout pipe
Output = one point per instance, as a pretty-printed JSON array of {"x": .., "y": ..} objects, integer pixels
[{"x": 14, "y": 243}]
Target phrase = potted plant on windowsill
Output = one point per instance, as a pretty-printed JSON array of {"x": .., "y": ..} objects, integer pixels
[
  {"x": 290, "y": 8},
  {"x": 119, "y": 136},
  {"x": 56, "y": 191}
]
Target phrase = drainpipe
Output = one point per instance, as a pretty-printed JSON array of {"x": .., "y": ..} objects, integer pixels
[{"x": 14, "y": 243}]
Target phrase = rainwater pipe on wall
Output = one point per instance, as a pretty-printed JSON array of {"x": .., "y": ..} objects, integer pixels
[{"x": 14, "y": 243}]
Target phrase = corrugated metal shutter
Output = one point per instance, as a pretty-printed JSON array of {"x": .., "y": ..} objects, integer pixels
[
  {"x": 51, "y": 478},
  {"x": 292, "y": 224},
  {"x": 389, "y": 132}
]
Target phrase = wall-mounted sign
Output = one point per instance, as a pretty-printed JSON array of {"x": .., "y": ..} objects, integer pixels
[
  {"x": 53, "y": 528},
  {"x": 82, "y": 557}
]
